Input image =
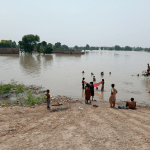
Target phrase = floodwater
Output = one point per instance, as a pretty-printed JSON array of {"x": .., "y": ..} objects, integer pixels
[{"x": 62, "y": 73}]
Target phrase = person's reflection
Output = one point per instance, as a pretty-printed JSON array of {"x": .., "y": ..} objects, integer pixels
[{"x": 29, "y": 64}]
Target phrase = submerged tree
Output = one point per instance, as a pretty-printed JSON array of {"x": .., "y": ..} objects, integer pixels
[
  {"x": 117, "y": 47},
  {"x": 64, "y": 47},
  {"x": 76, "y": 47},
  {"x": 29, "y": 42},
  {"x": 43, "y": 44},
  {"x": 57, "y": 45},
  {"x": 87, "y": 46},
  {"x": 48, "y": 50}
]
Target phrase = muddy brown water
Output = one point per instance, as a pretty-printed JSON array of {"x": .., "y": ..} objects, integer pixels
[{"x": 62, "y": 73}]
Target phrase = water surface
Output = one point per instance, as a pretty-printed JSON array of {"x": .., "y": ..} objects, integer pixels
[{"x": 61, "y": 73}]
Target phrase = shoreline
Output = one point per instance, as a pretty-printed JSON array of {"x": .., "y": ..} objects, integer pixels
[
  {"x": 74, "y": 125},
  {"x": 62, "y": 99}
]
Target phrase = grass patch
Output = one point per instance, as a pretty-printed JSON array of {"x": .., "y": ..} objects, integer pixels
[
  {"x": 7, "y": 88},
  {"x": 32, "y": 100},
  {"x": 15, "y": 105}
]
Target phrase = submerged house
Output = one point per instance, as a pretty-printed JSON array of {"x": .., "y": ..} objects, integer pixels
[
  {"x": 9, "y": 50},
  {"x": 70, "y": 51}
]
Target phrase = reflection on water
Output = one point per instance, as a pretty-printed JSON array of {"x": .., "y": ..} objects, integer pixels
[
  {"x": 30, "y": 65},
  {"x": 62, "y": 73},
  {"x": 47, "y": 60}
]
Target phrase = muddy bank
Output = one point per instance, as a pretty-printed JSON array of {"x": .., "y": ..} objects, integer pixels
[{"x": 72, "y": 127}]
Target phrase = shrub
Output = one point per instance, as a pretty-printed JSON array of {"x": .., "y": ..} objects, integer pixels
[
  {"x": 5, "y": 88},
  {"x": 20, "y": 88},
  {"x": 32, "y": 99}
]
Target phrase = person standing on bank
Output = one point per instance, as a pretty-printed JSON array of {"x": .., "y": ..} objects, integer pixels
[
  {"x": 112, "y": 98},
  {"x": 83, "y": 83},
  {"x": 92, "y": 90},
  {"x": 102, "y": 82},
  {"x": 87, "y": 93},
  {"x": 48, "y": 99}
]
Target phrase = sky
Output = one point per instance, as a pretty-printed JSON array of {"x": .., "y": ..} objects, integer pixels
[{"x": 77, "y": 22}]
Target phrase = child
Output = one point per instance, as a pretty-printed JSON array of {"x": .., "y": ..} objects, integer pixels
[
  {"x": 92, "y": 90},
  {"x": 48, "y": 98},
  {"x": 94, "y": 79},
  {"x": 112, "y": 98},
  {"x": 131, "y": 104},
  {"x": 102, "y": 82},
  {"x": 83, "y": 83},
  {"x": 87, "y": 93}
]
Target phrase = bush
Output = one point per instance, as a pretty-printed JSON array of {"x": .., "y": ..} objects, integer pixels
[
  {"x": 6, "y": 88},
  {"x": 20, "y": 89},
  {"x": 32, "y": 99}
]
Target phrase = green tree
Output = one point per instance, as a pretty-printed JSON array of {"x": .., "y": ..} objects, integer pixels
[
  {"x": 117, "y": 47},
  {"x": 7, "y": 44},
  {"x": 43, "y": 44},
  {"x": 87, "y": 47},
  {"x": 14, "y": 44},
  {"x": 57, "y": 45},
  {"x": 76, "y": 47},
  {"x": 48, "y": 50},
  {"x": 50, "y": 44},
  {"x": 64, "y": 47},
  {"x": 29, "y": 42},
  {"x": 38, "y": 48},
  {"x": 128, "y": 48}
]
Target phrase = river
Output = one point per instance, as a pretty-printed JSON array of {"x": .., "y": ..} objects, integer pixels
[{"x": 62, "y": 73}]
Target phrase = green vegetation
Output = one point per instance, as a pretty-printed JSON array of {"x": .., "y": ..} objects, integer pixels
[
  {"x": 15, "y": 104},
  {"x": 118, "y": 48},
  {"x": 32, "y": 100},
  {"x": 87, "y": 47},
  {"x": 126, "y": 48},
  {"x": 6, "y": 88},
  {"x": 29, "y": 42},
  {"x": 47, "y": 50},
  {"x": 7, "y": 44}
]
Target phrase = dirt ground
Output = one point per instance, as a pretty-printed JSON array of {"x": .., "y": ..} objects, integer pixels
[{"x": 73, "y": 126}]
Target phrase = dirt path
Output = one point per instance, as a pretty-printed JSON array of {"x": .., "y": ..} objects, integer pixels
[{"x": 90, "y": 128}]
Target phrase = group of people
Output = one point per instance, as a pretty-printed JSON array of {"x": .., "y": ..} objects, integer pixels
[{"x": 89, "y": 92}]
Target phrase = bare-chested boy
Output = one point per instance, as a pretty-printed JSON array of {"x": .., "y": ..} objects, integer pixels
[
  {"x": 48, "y": 98},
  {"x": 131, "y": 104},
  {"x": 102, "y": 82}
]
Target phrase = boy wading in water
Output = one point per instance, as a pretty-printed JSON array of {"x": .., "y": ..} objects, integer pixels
[
  {"x": 83, "y": 83},
  {"x": 92, "y": 90},
  {"x": 102, "y": 82},
  {"x": 48, "y": 98}
]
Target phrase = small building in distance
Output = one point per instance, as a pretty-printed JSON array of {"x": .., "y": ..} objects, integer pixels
[
  {"x": 70, "y": 51},
  {"x": 9, "y": 50}
]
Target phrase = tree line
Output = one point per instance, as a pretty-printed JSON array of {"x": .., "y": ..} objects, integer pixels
[
  {"x": 126, "y": 48},
  {"x": 30, "y": 43},
  {"x": 8, "y": 44}
]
